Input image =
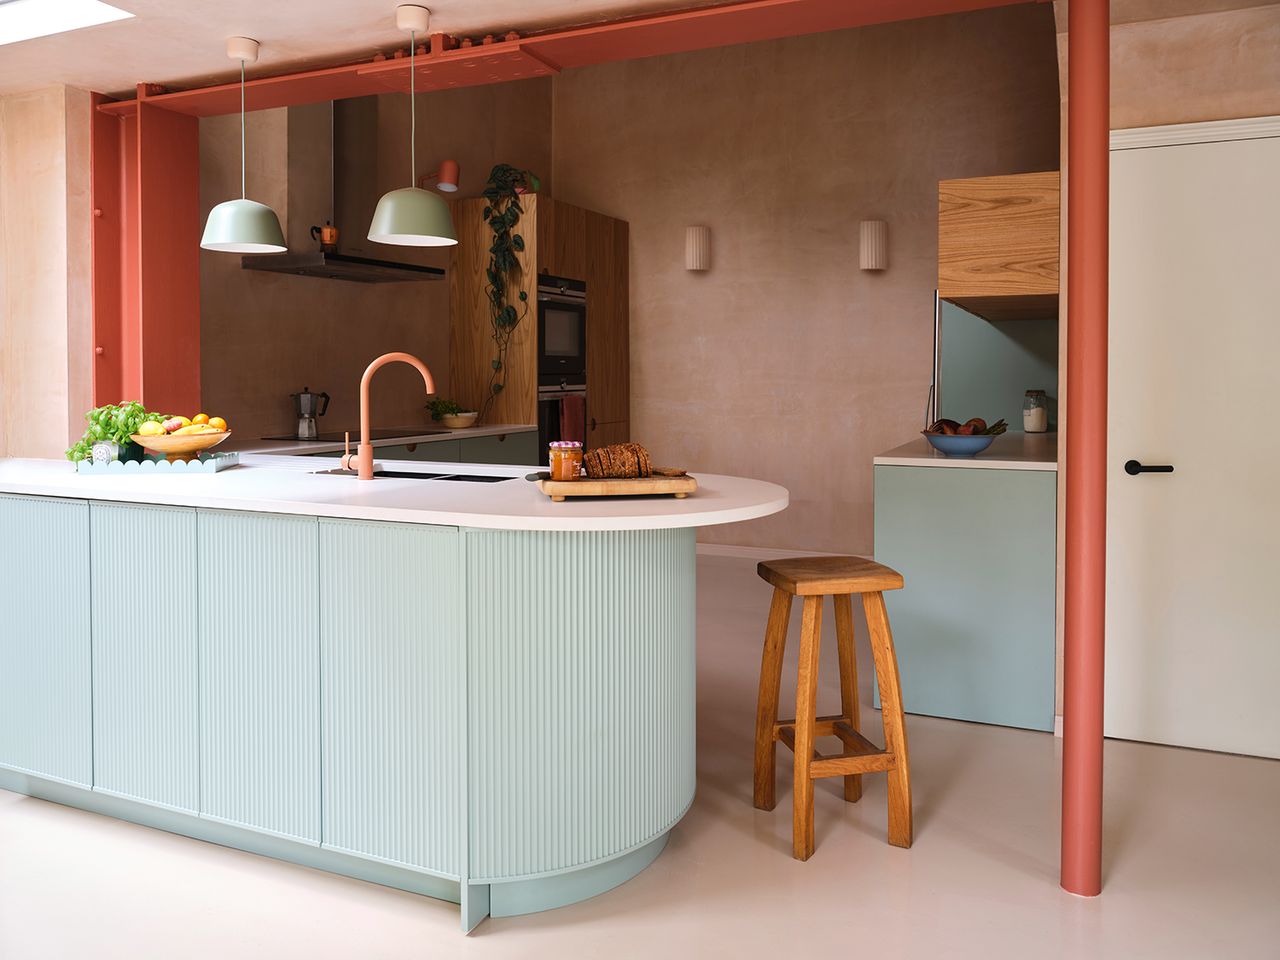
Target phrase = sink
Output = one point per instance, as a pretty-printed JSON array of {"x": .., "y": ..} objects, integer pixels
[{"x": 414, "y": 475}]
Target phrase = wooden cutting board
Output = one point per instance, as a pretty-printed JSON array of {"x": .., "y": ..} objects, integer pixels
[{"x": 678, "y": 487}]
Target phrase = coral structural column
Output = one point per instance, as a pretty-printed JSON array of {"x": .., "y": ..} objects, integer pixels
[
  {"x": 146, "y": 254},
  {"x": 1088, "y": 159}
]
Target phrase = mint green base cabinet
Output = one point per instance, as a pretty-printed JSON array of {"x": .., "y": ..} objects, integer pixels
[
  {"x": 581, "y": 696},
  {"x": 259, "y": 606},
  {"x": 393, "y": 668},
  {"x": 146, "y": 721},
  {"x": 974, "y": 625},
  {"x": 502, "y": 719},
  {"x": 518, "y": 449},
  {"x": 45, "y": 653}
]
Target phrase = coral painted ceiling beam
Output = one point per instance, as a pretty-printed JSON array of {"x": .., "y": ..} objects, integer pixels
[{"x": 549, "y": 53}]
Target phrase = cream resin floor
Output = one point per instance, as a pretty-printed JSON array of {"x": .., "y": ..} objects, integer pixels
[{"x": 1192, "y": 865}]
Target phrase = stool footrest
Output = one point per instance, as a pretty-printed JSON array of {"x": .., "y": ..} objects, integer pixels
[{"x": 860, "y": 755}]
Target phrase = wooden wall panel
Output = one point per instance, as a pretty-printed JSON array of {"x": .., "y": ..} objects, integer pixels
[
  {"x": 608, "y": 339},
  {"x": 998, "y": 236},
  {"x": 471, "y": 346}
]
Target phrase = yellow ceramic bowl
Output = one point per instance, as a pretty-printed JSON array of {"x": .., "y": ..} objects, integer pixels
[{"x": 186, "y": 446}]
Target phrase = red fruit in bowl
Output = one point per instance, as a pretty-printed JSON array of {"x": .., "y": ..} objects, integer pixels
[
  {"x": 965, "y": 430},
  {"x": 172, "y": 424},
  {"x": 979, "y": 425}
]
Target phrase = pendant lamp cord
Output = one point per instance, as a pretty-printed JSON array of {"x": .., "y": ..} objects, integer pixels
[
  {"x": 413, "y": 114},
  {"x": 243, "y": 193}
]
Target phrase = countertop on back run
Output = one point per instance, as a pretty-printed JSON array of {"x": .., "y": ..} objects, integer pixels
[
  {"x": 290, "y": 485},
  {"x": 1010, "y": 451},
  {"x": 294, "y": 448}
]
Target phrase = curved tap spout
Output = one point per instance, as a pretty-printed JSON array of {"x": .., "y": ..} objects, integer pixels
[{"x": 362, "y": 461}]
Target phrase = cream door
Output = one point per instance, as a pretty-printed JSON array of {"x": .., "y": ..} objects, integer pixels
[{"x": 1193, "y": 580}]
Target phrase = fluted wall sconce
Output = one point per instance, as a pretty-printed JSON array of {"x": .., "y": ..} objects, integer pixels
[
  {"x": 697, "y": 248},
  {"x": 873, "y": 245}
]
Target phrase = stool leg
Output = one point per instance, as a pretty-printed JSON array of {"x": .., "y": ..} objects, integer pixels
[
  {"x": 848, "y": 682},
  {"x": 895, "y": 732},
  {"x": 775, "y": 641},
  {"x": 806, "y": 715}
]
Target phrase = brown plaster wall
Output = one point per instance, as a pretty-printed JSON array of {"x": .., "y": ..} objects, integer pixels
[
  {"x": 265, "y": 335},
  {"x": 784, "y": 361}
]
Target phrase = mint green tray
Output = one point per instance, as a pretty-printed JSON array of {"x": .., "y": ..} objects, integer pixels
[{"x": 208, "y": 463}]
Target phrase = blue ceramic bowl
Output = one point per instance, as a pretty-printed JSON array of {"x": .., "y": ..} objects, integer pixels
[{"x": 959, "y": 446}]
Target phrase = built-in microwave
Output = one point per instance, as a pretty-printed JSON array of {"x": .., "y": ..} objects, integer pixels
[{"x": 562, "y": 331}]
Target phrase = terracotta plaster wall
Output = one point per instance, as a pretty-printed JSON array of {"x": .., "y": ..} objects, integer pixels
[
  {"x": 45, "y": 223},
  {"x": 266, "y": 335},
  {"x": 784, "y": 361}
]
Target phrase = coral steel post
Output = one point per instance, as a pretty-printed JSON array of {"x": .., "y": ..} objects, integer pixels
[{"x": 1088, "y": 161}]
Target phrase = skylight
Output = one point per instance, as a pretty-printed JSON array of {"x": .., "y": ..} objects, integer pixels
[{"x": 27, "y": 19}]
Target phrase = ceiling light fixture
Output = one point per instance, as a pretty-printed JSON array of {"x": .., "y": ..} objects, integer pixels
[
  {"x": 411, "y": 216},
  {"x": 244, "y": 225},
  {"x": 27, "y": 19}
]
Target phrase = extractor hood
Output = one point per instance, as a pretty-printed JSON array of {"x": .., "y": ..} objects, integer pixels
[
  {"x": 340, "y": 266},
  {"x": 333, "y": 175}
]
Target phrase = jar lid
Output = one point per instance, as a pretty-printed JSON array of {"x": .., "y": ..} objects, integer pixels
[
  {"x": 566, "y": 444},
  {"x": 1035, "y": 393}
]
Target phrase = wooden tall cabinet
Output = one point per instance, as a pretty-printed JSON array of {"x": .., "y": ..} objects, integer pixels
[
  {"x": 998, "y": 245},
  {"x": 564, "y": 241}
]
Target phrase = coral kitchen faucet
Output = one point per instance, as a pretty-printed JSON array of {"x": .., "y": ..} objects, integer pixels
[{"x": 362, "y": 459}]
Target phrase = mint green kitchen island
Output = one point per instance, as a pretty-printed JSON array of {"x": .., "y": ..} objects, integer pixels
[{"x": 456, "y": 688}]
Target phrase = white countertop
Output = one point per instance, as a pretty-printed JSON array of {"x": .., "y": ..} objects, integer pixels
[
  {"x": 1009, "y": 451},
  {"x": 285, "y": 484},
  {"x": 296, "y": 448}
]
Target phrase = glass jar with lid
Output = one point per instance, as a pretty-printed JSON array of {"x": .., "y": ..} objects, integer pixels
[
  {"x": 1035, "y": 412},
  {"x": 564, "y": 457}
]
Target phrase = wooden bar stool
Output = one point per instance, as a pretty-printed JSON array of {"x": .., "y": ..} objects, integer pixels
[{"x": 814, "y": 578}]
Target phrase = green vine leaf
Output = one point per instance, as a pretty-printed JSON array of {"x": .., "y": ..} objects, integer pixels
[{"x": 502, "y": 213}]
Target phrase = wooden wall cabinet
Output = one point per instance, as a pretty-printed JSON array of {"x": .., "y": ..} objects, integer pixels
[
  {"x": 564, "y": 241},
  {"x": 998, "y": 245}
]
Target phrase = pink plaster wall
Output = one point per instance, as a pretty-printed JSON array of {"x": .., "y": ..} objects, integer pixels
[
  {"x": 45, "y": 217},
  {"x": 784, "y": 361}
]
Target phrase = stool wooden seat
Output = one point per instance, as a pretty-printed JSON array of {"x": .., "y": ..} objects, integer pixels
[{"x": 838, "y": 577}]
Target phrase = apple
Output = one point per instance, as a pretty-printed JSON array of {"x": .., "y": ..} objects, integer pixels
[{"x": 979, "y": 425}]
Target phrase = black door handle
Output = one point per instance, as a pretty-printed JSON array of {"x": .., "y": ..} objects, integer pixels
[{"x": 1135, "y": 467}]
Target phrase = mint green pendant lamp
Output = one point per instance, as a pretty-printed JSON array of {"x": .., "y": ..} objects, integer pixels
[
  {"x": 244, "y": 225},
  {"x": 411, "y": 216}
]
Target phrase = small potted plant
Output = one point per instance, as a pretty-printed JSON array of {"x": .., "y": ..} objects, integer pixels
[{"x": 451, "y": 414}]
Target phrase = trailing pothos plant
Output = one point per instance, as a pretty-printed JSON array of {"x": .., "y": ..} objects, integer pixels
[{"x": 502, "y": 275}]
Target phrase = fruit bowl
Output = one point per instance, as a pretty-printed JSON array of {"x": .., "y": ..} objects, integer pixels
[
  {"x": 186, "y": 446},
  {"x": 959, "y": 445}
]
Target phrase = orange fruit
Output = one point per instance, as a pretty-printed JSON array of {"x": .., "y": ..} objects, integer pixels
[
  {"x": 200, "y": 418},
  {"x": 217, "y": 423}
]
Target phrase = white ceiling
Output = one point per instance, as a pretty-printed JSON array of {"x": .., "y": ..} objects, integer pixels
[{"x": 180, "y": 43}]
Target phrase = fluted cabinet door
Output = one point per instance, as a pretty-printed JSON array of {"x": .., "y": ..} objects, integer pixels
[
  {"x": 393, "y": 662},
  {"x": 580, "y": 695},
  {"x": 45, "y": 721},
  {"x": 260, "y": 672},
  {"x": 145, "y": 682}
]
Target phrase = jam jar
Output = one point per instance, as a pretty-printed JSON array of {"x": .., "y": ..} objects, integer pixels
[{"x": 565, "y": 459}]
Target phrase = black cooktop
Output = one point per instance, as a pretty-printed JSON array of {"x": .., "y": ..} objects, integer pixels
[{"x": 376, "y": 433}]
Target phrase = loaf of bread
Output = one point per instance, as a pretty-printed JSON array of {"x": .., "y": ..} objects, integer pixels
[{"x": 618, "y": 461}]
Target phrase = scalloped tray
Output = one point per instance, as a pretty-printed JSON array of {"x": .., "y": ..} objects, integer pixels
[{"x": 208, "y": 463}]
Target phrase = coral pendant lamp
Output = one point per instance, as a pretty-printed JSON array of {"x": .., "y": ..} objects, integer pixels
[
  {"x": 244, "y": 225},
  {"x": 411, "y": 216}
]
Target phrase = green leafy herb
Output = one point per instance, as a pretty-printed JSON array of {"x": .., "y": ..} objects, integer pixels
[
  {"x": 111, "y": 424},
  {"x": 444, "y": 408}
]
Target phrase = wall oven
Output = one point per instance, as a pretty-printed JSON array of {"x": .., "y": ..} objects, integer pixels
[{"x": 562, "y": 331}]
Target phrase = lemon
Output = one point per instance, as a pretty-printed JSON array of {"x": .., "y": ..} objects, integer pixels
[{"x": 151, "y": 429}]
